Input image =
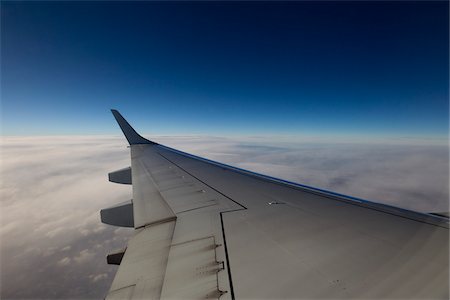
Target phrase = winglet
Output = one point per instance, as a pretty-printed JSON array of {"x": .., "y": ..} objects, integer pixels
[{"x": 132, "y": 136}]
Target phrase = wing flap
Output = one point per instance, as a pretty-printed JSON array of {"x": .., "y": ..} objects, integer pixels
[
  {"x": 143, "y": 265},
  {"x": 193, "y": 271}
]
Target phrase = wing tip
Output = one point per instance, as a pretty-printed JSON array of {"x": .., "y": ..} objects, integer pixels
[{"x": 131, "y": 135}]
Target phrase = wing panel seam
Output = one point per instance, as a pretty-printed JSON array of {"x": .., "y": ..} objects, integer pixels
[
  {"x": 420, "y": 217},
  {"x": 221, "y": 222},
  {"x": 241, "y": 205}
]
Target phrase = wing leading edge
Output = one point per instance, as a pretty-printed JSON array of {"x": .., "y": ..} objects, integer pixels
[{"x": 208, "y": 230}]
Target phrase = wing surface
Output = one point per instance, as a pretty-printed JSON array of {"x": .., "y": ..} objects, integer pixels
[{"x": 205, "y": 230}]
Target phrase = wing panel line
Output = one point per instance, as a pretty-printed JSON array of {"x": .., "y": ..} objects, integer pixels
[
  {"x": 384, "y": 208},
  {"x": 221, "y": 222},
  {"x": 241, "y": 205}
]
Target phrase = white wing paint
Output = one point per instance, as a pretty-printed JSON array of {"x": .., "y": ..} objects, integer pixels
[{"x": 205, "y": 230}]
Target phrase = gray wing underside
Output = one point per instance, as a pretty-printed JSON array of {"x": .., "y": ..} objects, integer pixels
[{"x": 207, "y": 230}]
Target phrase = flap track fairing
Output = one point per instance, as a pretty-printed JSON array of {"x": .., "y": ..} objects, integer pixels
[
  {"x": 119, "y": 215},
  {"x": 122, "y": 176}
]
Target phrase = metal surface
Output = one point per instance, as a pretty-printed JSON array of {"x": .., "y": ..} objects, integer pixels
[
  {"x": 122, "y": 176},
  {"x": 144, "y": 264},
  {"x": 115, "y": 258},
  {"x": 148, "y": 204},
  {"x": 131, "y": 135},
  {"x": 118, "y": 215},
  {"x": 276, "y": 239},
  {"x": 314, "y": 246}
]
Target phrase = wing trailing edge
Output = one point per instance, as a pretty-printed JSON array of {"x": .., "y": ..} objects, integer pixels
[{"x": 131, "y": 135}]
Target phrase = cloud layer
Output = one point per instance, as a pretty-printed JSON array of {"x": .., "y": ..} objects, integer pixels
[
  {"x": 52, "y": 242},
  {"x": 410, "y": 175},
  {"x": 54, "y": 246}
]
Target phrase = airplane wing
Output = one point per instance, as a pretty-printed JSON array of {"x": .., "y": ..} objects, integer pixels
[{"x": 205, "y": 230}]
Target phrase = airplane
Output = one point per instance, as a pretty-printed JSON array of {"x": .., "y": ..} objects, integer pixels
[{"x": 207, "y": 230}]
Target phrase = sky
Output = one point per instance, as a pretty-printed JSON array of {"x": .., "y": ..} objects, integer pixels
[
  {"x": 325, "y": 68},
  {"x": 350, "y": 97}
]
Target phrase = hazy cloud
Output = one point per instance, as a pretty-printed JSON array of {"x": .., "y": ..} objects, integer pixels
[
  {"x": 51, "y": 235},
  {"x": 405, "y": 174},
  {"x": 64, "y": 261},
  {"x": 52, "y": 241},
  {"x": 95, "y": 278},
  {"x": 84, "y": 256}
]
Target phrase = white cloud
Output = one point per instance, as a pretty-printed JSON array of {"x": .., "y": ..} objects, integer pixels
[
  {"x": 413, "y": 176},
  {"x": 64, "y": 261},
  {"x": 51, "y": 193},
  {"x": 98, "y": 277},
  {"x": 53, "y": 188},
  {"x": 84, "y": 256}
]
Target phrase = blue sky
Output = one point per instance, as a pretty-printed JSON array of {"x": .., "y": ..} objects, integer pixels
[{"x": 331, "y": 68}]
